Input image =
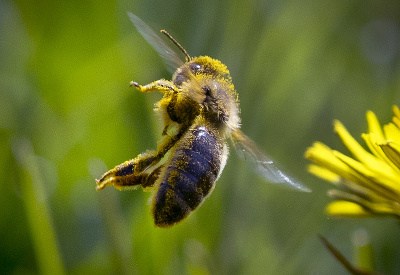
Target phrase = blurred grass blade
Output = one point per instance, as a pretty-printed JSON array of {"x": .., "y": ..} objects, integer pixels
[
  {"x": 120, "y": 239},
  {"x": 363, "y": 254},
  {"x": 34, "y": 197},
  {"x": 346, "y": 264}
]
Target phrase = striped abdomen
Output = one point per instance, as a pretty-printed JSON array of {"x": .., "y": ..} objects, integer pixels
[{"x": 190, "y": 175}]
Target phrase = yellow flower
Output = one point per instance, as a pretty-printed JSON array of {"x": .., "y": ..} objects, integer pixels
[{"x": 369, "y": 183}]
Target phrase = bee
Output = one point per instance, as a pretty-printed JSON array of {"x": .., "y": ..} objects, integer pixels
[{"x": 200, "y": 111}]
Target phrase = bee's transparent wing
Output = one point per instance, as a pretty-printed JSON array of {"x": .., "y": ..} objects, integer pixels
[
  {"x": 262, "y": 163},
  {"x": 169, "y": 56}
]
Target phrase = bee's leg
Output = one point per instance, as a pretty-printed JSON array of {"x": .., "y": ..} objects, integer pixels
[
  {"x": 152, "y": 177},
  {"x": 131, "y": 173},
  {"x": 161, "y": 85},
  {"x": 123, "y": 177}
]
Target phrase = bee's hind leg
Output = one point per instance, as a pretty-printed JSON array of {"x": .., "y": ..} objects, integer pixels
[{"x": 130, "y": 173}]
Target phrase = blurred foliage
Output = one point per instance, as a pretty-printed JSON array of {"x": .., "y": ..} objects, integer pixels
[{"x": 67, "y": 114}]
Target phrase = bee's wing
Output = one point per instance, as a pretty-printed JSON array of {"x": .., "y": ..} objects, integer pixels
[
  {"x": 262, "y": 163},
  {"x": 169, "y": 56}
]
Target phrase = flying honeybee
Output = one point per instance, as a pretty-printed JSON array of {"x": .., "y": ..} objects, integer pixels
[{"x": 200, "y": 110}]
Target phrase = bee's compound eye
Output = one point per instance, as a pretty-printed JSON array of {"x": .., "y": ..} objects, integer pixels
[
  {"x": 194, "y": 67},
  {"x": 207, "y": 90}
]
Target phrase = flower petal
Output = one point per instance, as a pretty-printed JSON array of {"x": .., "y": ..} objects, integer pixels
[
  {"x": 353, "y": 146},
  {"x": 396, "y": 118},
  {"x": 392, "y": 151},
  {"x": 383, "y": 184},
  {"x": 379, "y": 207},
  {"x": 323, "y": 173},
  {"x": 323, "y": 156},
  {"x": 383, "y": 164},
  {"x": 391, "y": 132},
  {"x": 346, "y": 209},
  {"x": 373, "y": 125}
]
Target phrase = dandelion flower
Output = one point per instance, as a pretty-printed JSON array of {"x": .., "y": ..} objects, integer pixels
[{"x": 368, "y": 183}]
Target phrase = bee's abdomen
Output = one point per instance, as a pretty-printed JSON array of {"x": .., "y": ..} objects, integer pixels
[{"x": 189, "y": 177}]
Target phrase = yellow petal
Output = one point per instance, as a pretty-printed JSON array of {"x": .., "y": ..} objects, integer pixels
[
  {"x": 392, "y": 151},
  {"x": 372, "y": 207},
  {"x": 354, "y": 147},
  {"x": 373, "y": 125},
  {"x": 382, "y": 162},
  {"x": 323, "y": 173},
  {"x": 385, "y": 165},
  {"x": 359, "y": 173},
  {"x": 354, "y": 164},
  {"x": 384, "y": 208},
  {"x": 391, "y": 132},
  {"x": 396, "y": 118},
  {"x": 323, "y": 156},
  {"x": 346, "y": 209},
  {"x": 396, "y": 121},
  {"x": 363, "y": 181},
  {"x": 383, "y": 184}
]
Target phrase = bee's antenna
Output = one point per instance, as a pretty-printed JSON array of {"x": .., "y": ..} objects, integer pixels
[{"x": 177, "y": 44}]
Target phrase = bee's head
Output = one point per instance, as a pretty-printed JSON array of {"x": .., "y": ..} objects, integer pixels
[
  {"x": 200, "y": 67},
  {"x": 220, "y": 104},
  {"x": 207, "y": 81}
]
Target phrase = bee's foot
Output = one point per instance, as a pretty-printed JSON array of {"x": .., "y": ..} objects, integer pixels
[
  {"x": 134, "y": 83},
  {"x": 101, "y": 183}
]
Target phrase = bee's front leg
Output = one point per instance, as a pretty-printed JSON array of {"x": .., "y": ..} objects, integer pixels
[{"x": 161, "y": 85}]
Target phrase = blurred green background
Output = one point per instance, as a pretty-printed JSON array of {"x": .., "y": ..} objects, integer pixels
[{"x": 67, "y": 114}]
